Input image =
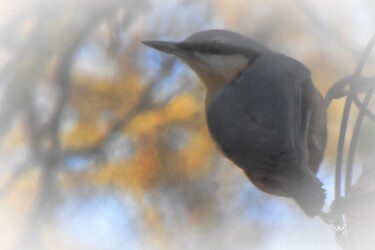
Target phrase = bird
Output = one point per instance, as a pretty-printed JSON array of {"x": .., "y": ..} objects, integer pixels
[{"x": 262, "y": 110}]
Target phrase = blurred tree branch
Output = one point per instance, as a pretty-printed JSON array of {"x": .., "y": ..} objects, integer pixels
[
  {"x": 47, "y": 40},
  {"x": 326, "y": 28},
  {"x": 142, "y": 104}
]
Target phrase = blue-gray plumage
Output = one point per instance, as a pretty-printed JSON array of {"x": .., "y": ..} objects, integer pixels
[
  {"x": 257, "y": 131},
  {"x": 262, "y": 110}
]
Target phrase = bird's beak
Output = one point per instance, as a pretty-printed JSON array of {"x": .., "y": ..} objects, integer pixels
[{"x": 167, "y": 47}]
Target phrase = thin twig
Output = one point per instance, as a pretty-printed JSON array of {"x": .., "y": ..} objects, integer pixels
[
  {"x": 361, "y": 115},
  {"x": 345, "y": 118},
  {"x": 362, "y": 107},
  {"x": 325, "y": 28},
  {"x": 354, "y": 79}
]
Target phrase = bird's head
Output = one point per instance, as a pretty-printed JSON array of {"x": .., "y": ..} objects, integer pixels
[{"x": 217, "y": 56}]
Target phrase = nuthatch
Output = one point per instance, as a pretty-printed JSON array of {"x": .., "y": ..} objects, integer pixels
[{"x": 262, "y": 110}]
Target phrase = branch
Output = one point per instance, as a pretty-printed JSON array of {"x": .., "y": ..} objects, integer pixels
[
  {"x": 142, "y": 105},
  {"x": 46, "y": 146},
  {"x": 325, "y": 28}
]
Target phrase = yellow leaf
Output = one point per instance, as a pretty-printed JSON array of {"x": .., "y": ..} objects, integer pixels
[
  {"x": 197, "y": 153},
  {"x": 84, "y": 134},
  {"x": 181, "y": 108},
  {"x": 145, "y": 122}
]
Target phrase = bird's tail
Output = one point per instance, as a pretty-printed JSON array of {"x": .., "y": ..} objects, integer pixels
[{"x": 309, "y": 195}]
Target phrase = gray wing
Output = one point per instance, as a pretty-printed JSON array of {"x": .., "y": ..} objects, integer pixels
[
  {"x": 268, "y": 121},
  {"x": 260, "y": 119},
  {"x": 317, "y": 130}
]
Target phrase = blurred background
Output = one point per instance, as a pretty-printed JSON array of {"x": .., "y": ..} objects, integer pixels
[{"x": 103, "y": 142}]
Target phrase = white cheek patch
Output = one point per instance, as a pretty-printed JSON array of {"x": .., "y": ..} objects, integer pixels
[
  {"x": 217, "y": 69},
  {"x": 225, "y": 67},
  {"x": 225, "y": 63}
]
